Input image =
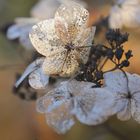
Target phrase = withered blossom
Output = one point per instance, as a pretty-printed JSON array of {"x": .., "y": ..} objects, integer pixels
[
  {"x": 63, "y": 40},
  {"x": 90, "y": 105},
  {"x": 126, "y": 89},
  {"x": 37, "y": 79}
]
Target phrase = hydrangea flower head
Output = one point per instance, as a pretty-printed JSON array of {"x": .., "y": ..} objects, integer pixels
[
  {"x": 61, "y": 39},
  {"x": 89, "y": 105}
]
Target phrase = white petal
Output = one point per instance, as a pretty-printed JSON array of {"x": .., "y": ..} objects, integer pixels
[
  {"x": 116, "y": 81},
  {"x": 125, "y": 113},
  {"x": 44, "y": 38},
  {"x": 85, "y": 38},
  {"x": 61, "y": 29},
  {"x": 75, "y": 16},
  {"x": 134, "y": 83},
  {"x": 62, "y": 64},
  {"x": 57, "y": 108},
  {"x": 92, "y": 105},
  {"x": 60, "y": 119},
  {"x": 33, "y": 66},
  {"x": 38, "y": 80},
  {"x": 53, "y": 98},
  {"x": 135, "y": 107}
]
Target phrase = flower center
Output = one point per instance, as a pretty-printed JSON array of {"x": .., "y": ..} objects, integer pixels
[
  {"x": 69, "y": 46},
  {"x": 129, "y": 96}
]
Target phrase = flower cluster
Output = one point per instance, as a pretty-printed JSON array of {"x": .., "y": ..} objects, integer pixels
[
  {"x": 21, "y": 27},
  {"x": 83, "y": 90}
]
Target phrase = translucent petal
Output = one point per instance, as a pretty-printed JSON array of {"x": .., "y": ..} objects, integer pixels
[
  {"x": 125, "y": 113},
  {"x": 57, "y": 107},
  {"x": 75, "y": 16},
  {"x": 62, "y": 64},
  {"x": 38, "y": 80},
  {"x": 60, "y": 119},
  {"x": 77, "y": 88},
  {"x": 33, "y": 66},
  {"x": 62, "y": 30},
  {"x": 134, "y": 83},
  {"x": 135, "y": 107},
  {"x": 94, "y": 107},
  {"x": 116, "y": 81},
  {"x": 44, "y": 38},
  {"x": 54, "y": 97},
  {"x": 85, "y": 38}
]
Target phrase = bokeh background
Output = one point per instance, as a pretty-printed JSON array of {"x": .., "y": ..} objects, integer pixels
[{"x": 19, "y": 119}]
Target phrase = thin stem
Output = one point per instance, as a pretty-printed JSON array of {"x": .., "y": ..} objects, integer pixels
[
  {"x": 110, "y": 70},
  {"x": 127, "y": 80},
  {"x": 106, "y": 59}
]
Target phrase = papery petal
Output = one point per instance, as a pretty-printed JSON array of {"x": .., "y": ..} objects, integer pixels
[
  {"x": 62, "y": 30},
  {"x": 94, "y": 107},
  {"x": 125, "y": 113},
  {"x": 135, "y": 107},
  {"x": 38, "y": 80},
  {"x": 60, "y": 119},
  {"x": 74, "y": 15},
  {"x": 62, "y": 64},
  {"x": 44, "y": 38},
  {"x": 33, "y": 66},
  {"x": 85, "y": 38},
  {"x": 134, "y": 83},
  {"x": 52, "y": 98},
  {"x": 57, "y": 107},
  {"x": 78, "y": 88},
  {"x": 116, "y": 82}
]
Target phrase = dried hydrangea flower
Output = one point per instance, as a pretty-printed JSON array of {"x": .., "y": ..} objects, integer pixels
[
  {"x": 20, "y": 30},
  {"x": 57, "y": 107},
  {"x": 128, "y": 94},
  {"x": 73, "y": 98},
  {"x": 125, "y": 13},
  {"x": 44, "y": 9},
  {"x": 58, "y": 38},
  {"x": 37, "y": 79}
]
